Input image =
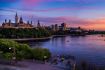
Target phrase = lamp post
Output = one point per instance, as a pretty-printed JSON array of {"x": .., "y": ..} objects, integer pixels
[
  {"x": 10, "y": 60},
  {"x": 10, "y": 48},
  {"x": 45, "y": 57},
  {"x": 14, "y": 54}
]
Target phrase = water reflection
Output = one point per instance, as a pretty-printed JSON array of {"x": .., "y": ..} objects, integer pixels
[{"x": 90, "y": 48}]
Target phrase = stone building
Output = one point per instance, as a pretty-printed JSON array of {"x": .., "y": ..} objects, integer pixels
[{"x": 19, "y": 23}]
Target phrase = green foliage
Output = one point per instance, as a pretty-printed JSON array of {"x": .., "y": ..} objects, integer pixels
[
  {"x": 23, "y": 33},
  {"x": 5, "y": 44},
  {"x": 8, "y": 56},
  {"x": 23, "y": 51},
  {"x": 39, "y": 53}
]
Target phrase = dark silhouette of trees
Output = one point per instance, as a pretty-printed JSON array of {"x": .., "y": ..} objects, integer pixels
[{"x": 24, "y": 33}]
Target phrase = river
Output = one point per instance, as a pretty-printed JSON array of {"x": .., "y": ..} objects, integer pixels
[{"x": 89, "y": 48}]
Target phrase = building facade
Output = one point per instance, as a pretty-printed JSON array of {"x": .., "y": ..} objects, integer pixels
[
  {"x": 19, "y": 23},
  {"x": 63, "y": 26}
]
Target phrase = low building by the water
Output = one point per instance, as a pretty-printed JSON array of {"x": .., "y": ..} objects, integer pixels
[
  {"x": 19, "y": 23},
  {"x": 78, "y": 31}
]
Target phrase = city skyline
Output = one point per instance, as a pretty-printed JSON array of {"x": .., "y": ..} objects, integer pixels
[{"x": 87, "y": 14}]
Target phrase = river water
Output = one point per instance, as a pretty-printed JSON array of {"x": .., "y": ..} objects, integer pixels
[{"x": 89, "y": 48}]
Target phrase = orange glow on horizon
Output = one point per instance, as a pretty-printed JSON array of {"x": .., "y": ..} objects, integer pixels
[{"x": 96, "y": 24}]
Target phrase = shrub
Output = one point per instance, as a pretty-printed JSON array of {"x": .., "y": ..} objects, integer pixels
[
  {"x": 8, "y": 56},
  {"x": 40, "y": 53},
  {"x": 22, "y": 51}
]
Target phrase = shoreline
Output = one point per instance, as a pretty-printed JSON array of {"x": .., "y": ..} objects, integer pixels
[
  {"x": 32, "y": 39},
  {"x": 35, "y": 39}
]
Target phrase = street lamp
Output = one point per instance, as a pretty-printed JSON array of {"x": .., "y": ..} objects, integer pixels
[
  {"x": 45, "y": 57},
  {"x": 14, "y": 53},
  {"x": 10, "y": 48}
]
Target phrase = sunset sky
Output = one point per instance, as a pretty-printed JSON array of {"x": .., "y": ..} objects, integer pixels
[{"x": 85, "y": 13}]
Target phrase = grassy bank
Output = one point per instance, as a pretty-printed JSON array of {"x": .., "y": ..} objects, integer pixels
[{"x": 10, "y": 49}]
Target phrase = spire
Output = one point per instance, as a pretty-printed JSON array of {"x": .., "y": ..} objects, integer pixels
[
  {"x": 38, "y": 22},
  {"x": 9, "y": 21},
  {"x": 38, "y": 25},
  {"x": 16, "y": 14},
  {"x": 28, "y": 22},
  {"x": 21, "y": 18},
  {"x": 5, "y": 20},
  {"x": 16, "y": 18},
  {"x": 31, "y": 22}
]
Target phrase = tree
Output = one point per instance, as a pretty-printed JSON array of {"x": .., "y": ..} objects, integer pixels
[{"x": 22, "y": 51}]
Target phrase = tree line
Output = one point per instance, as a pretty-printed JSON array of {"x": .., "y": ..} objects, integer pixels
[{"x": 24, "y": 33}]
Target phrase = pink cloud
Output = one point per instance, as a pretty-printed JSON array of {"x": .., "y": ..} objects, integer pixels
[
  {"x": 97, "y": 24},
  {"x": 31, "y": 2}
]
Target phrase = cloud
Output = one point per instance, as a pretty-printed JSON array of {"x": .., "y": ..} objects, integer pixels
[{"x": 8, "y": 10}]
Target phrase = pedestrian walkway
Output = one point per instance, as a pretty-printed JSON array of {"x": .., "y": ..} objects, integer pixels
[{"x": 30, "y": 66}]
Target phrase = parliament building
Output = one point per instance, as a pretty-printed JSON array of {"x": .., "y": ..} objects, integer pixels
[{"x": 19, "y": 23}]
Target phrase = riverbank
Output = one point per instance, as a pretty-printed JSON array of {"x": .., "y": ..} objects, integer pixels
[
  {"x": 37, "y": 39},
  {"x": 32, "y": 39},
  {"x": 43, "y": 38}
]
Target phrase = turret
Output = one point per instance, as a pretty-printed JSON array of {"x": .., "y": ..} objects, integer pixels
[{"x": 21, "y": 20}]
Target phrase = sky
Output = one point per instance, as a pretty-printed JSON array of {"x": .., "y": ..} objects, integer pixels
[{"x": 89, "y": 14}]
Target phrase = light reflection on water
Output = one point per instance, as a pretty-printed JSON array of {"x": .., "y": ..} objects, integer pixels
[{"x": 90, "y": 48}]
